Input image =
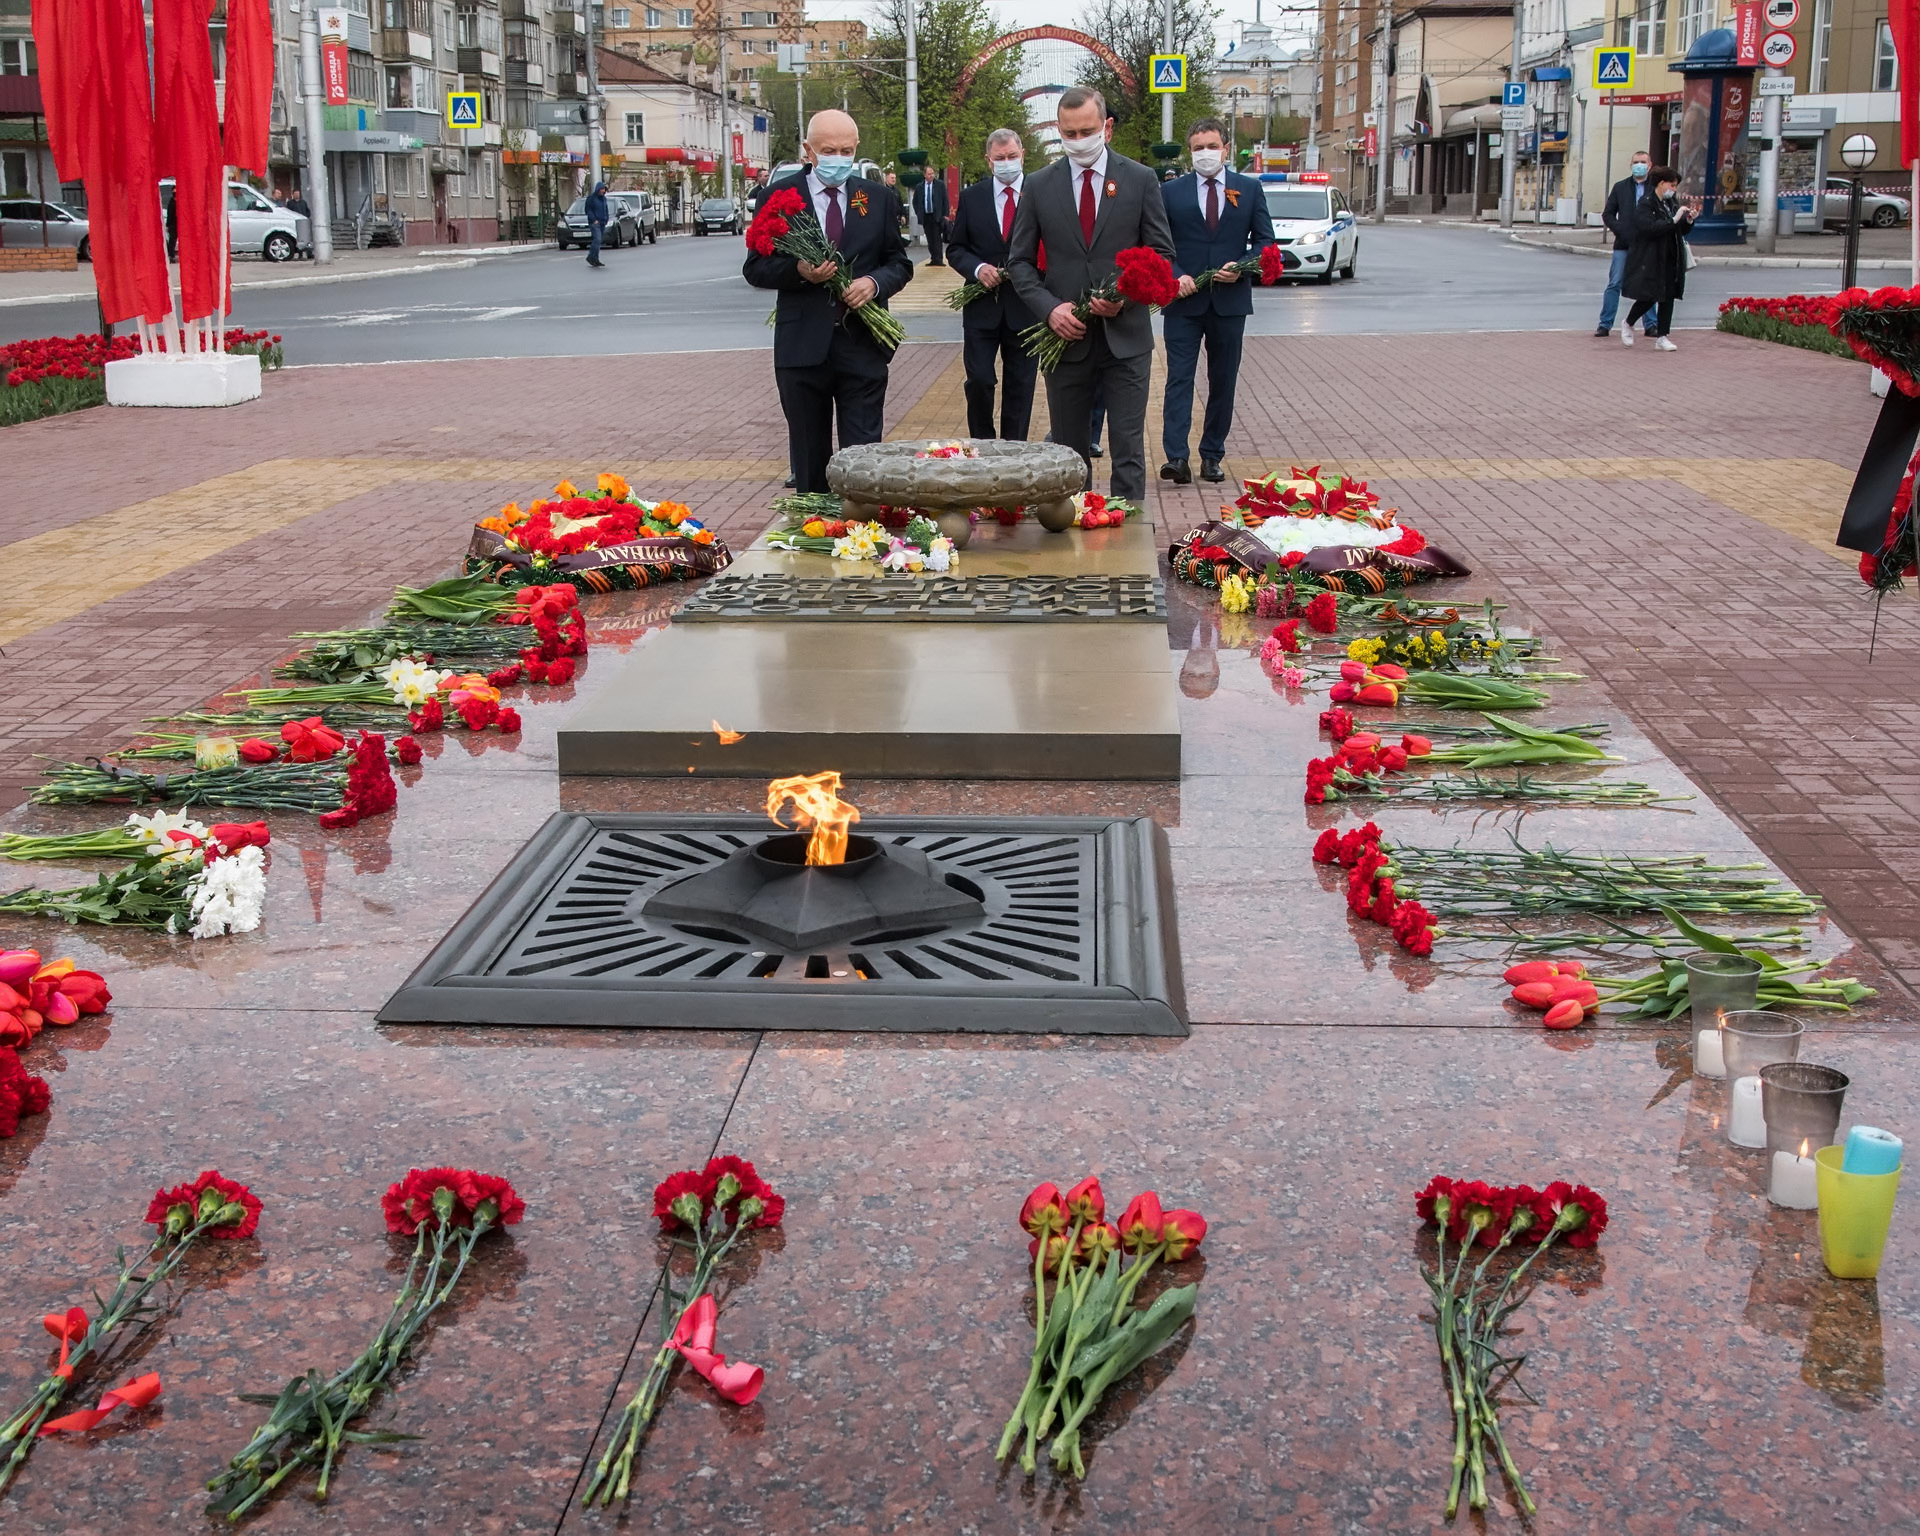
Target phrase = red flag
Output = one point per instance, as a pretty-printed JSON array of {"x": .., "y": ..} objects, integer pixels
[
  {"x": 57, "y": 27},
  {"x": 111, "y": 101},
  {"x": 249, "y": 83},
  {"x": 187, "y": 144},
  {"x": 1903, "y": 20}
]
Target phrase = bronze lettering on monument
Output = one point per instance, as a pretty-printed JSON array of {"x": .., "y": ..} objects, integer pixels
[{"x": 953, "y": 599}]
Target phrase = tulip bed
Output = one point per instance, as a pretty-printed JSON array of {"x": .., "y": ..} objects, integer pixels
[
  {"x": 51, "y": 375},
  {"x": 1792, "y": 322}
]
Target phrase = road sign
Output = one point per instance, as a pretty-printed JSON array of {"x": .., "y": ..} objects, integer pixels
[
  {"x": 463, "y": 109},
  {"x": 1513, "y": 94},
  {"x": 1777, "y": 49},
  {"x": 1167, "y": 74},
  {"x": 1613, "y": 69},
  {"x": 1774, "y": 85},
  {"x": 1782, "y": 14},
  {"x": 1513, "y": 119},
  {"x": 791, "y": 57}
]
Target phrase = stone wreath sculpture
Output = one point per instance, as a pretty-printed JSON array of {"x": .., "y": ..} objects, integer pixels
[{"x": 1042, "y": 477}]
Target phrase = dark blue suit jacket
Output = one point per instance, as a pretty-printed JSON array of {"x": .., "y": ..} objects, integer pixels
[
  {"x": 975, "y": 238},
  {"x": 1245, "y": 227}
]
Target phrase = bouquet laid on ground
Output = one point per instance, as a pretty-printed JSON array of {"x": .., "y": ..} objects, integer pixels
[
  {"x": 33, "y": 995},
  {"x": 708, "y": 1211},
  {"x": 201, "y": 881},
  {"x": 1471, "y": 1315},
  {"x": 1385, "y": 684},
  {"x": 447, "y": 1212},
  {"x": 1665, "y": 993},
  {"x": 1370, "y": 887},
  {"x": 1366, "y": 764},
  {"x": 919, "y": 546},
  {"x": 603, "y": 541},
  {"x": 1092, "y": 510},
  {"x": 1087, "y": 1330},
  {"x": 1141, "y": 276},
  {"x": 1339, "y": 723},
  {"x": 785, "y": 224},
  {"x": 211, "y": 1206}
]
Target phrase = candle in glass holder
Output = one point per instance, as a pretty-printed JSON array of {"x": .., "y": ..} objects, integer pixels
[
  {"x": 1750, "y": 1040},
  {"x": 1793, "y": 1183},
  {"x": 1746, "y": 1121},
  {"x": 1709, "y": 1059},
  {"x": 1717, "y": 985}
]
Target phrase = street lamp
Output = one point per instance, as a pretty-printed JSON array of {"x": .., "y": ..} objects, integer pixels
[
  {"x": 1237, "y": 95},
  {"x": 1856, "y": 154}
]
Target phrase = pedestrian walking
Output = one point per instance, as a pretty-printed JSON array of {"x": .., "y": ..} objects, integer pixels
[
  {"x": 1617, "y": 216},
  {"x": 825, "y": 364},
  {"x": 597, "y": 214},
  {"x": 991, "y": 325},
  {"x": 1085, "y": 209},
  {"x": 1657, "y": 262},
  {"x": 930, "y": 204},
  {"x": 1217, "y": 216}
]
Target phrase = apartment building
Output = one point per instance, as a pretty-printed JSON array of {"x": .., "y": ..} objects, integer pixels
[
  {"x": 1266, "y": 87},
  {"x": 668, "y": 134},
  {"x": 1447, "y": 62},
  {"x": 1343, "y": 98},
  {"x": 671, "y": 34}
]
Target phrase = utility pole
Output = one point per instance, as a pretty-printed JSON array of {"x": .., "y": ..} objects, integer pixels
[
  {"x": 1383, "y": 120},
  {"x": 1166, "y": 97},
  {"x": 913, "y": 77},
  {"x": 593, "y": 104},
  {"x": 313, "y": 100},
  {"x": 726, "y": 120},
  {"x": 1510, "y": 141},
  {"x": 1767, "y": 225}
]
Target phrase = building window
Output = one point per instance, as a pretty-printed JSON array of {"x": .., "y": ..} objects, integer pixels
[
  {"x": 683, "y": 17},
  {"x": 398, "y": 167},
  {"x": 13, "y": 173},
  {"x": 1650, "y": 28},
  {"x": 653, "y": 17},
  {"x": 1822, "y": 41},
  {"x": 399, "y": 87},
  {"x": 1696, "y": 16},
  {"x": 1886, "y": 63},
  {"x": 746, "y": 45},
  {"x": 636, "y": 128},
  {"x": 17, "y": 57},
  {"x": 486, "y": 175},
  {"x": 363, "y": 77}
]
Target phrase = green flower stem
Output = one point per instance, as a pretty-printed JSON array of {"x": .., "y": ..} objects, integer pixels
[{"x": 108, "y": 843}]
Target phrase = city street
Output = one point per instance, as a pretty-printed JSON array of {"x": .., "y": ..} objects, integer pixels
[{"x": 686, "y": 295}]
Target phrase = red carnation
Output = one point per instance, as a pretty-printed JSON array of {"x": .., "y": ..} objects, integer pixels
[
  {"x": 785, "y": 202},
  {"x": 1337, "y": 723},
  {"x": 683, "y": 1200},
  {"x": 408, "y": 751},
  {"x": 225, "y": 837},
  {"x": 1427, "y": 1202},
  {"x": 22, "y": 1093},
  {"x": 430, "y": 716},
  {"x": 1287, "y": 632},
  {"x": 1323, "y": 614},
  {"x": 1572, "y": 1210},
  {"x": 449, "y": 1196},
  {"x": 747, "y": 1185},
  {"x": 507, "y": 721},
  {"x": 184, "y": 1206},
  {"x": 478, "y": 714},
  {"x": 505, "y": 677},
  {"x": 370, "y": 787},
  {"x": 559, "y": 672},
  {"x": 1326, "y": 847}
]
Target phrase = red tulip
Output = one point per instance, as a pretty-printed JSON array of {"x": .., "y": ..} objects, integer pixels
[
  {"x": 1416, "y": 746},
  {"x": 1389, "y": 671},
  {"x": 87, "y": 989},
  {"x": 1564, "y": 1015},
  {"x": 232, "y": 836},
  {"x": 1343, "y": 693},
  {"x": 1534, "y": 994},
  {"x": 1529, "y": 970},
  {"x": 1378, "y": 693},
  {"x": 1353, "y": 672},
  {"x": 1142, "y": 1225},
  {"x": 17, "y": 965},
  {"x": 254, "y": 750},
  {"x": 1044, "y": 1211},
  {"x": 1359, "y": 741},
  {"x": 311, "y": 740},
  {"x": 1184, "y": 1229},
  {"x": 1085, "y": 1202}
]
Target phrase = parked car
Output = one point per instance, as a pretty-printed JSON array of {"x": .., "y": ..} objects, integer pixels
[
  {"x": 20, "y": 224},
  {"x": 1881, "y": 209},
  {"x": 721, "y": 213},
  {"x": 646, "y": 220},
  {"x": 622, "y": 227},
  {"x": 1314, "y": 227},
  {"x": 258, "y": 227}
]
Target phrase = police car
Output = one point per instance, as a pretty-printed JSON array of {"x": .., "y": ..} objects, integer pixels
[{"x": 1316, "y": 230}]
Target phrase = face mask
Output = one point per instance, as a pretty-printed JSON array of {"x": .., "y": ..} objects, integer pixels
[
  {"x": 1208, "y": 161},
  {"x": 1085, "y": 152},
  {"x": 833, "y": 170},
  {"x": 1639, "y": 173},
  {"x": 1670, "y": 197},
  {"x": 1007, "y": 172}
]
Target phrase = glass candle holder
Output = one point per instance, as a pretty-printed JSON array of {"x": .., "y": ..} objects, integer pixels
[
  {"x": 1716, "y": 986},
  {"x": 1856, "y": 1209},
  {"x": 1751, "y": 1040},
  {"x": 1802, "y": 1105}
]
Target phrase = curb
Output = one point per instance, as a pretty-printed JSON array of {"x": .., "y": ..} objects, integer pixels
[{"x": 1826, "y": 263}]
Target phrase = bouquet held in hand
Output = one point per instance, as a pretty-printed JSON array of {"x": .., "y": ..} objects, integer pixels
[
  {"x": 1141, "y": 276},
  {"x": 786, "y": 225}
]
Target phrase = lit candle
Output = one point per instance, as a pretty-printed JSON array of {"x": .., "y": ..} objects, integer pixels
[
  {"x": 1747, "y": 1124},
  {"x": 1709, "y": 1056},
  {"x": 1871, "y": 1150},
  {"x": 1793, "y": 1183}
]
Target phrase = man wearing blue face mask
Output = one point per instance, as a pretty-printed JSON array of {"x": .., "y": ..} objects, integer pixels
[
  {"x": 1618, "y": 218},
  {"x": 825, "y": 364},
  {"x": 991, "y": 325}
]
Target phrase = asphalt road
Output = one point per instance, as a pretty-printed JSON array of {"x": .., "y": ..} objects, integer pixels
[{"x": 686, "y": 294}]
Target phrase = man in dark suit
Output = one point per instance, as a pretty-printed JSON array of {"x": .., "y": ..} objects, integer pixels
[
  {"x": 1085, "y": 209},
  {"x": 991, "y": 324},
  {"x": 825, "y": 362},
  {"x": 1217, "y": 216},
  {"x": 930, "y": 203},
  {"x": 1618, "y": 217}
]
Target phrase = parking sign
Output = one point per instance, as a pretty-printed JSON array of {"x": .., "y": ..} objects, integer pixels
[{"x": 1513, "y": 94}]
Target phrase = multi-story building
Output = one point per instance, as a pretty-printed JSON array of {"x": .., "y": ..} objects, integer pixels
[
  {"x": 669, "y": 135},
  {"x": 26, "y": 164},
  {"x": 1266, "y": 85},
  {"x": 752, "y": 36},
  {"x": 1343, "y": 95}
]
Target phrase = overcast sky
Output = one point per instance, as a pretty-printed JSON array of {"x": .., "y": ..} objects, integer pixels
[{"x": 1290, "y": 17}]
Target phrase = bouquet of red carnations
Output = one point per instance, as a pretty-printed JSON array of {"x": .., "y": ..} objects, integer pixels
[
  {"x": 1141, "y": 276},
  {"x": 1267, "y": 262},
  {"x": 1469, "y": 1319},
  {"x": 1087, "y": 1332},
  {"x": 786, "y": 224}
]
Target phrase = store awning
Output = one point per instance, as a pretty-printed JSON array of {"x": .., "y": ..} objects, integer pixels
[
  {"x": 665, "y": 155},
  {"x": 1484, "y": 118}
]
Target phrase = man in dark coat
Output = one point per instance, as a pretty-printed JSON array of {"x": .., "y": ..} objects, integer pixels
[
  {"x": 1217, "y": 216},
  {"x": 1085, "y": 209},
  {"x": 1656, "y": 275},
  {"x": 991, "y": 324},
  {"x": 597, "y": 213},
  {"x": 825, "y": 362},
  {"x": 930, "y": 205},
  {"x": 1618, "y": 218}
]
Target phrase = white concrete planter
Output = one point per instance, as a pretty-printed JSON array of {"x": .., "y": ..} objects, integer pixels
[{"x": 210, "y": 379}]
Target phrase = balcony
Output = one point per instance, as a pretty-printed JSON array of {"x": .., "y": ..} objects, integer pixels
[
  {"x": 478, "y": 61},
  {"x": 417, "y": 124},
  {"x": 519, "y": 10},
  {"x": 566, "y": 83},
  {"x": 525, "y": 72},
  {"x": 400, "y": 43},
  {"x": 564, "y": 24}
]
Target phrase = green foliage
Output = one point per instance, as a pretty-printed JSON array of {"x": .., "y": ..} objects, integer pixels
[
  {"x": 783, "y": 96},
  {"x": 48, "y": 397},
  {"x": 1134, "y": 29},
  {"x": 950, "y": 33},
  {"x": 1815, "y": 338}
]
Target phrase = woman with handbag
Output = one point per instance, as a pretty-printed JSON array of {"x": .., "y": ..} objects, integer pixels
[{"x": 1658, "y": 259}]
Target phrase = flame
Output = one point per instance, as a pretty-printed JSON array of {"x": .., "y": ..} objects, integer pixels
[
  {"x": 1803, "y": 1146},
  {"x": 817, "y": 804},
  {"x": 727, "y": 737}
]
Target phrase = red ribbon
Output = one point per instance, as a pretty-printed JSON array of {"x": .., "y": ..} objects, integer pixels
[
  {"x": 69, "y": 1328},
  {"x": 693, "y": 1337},
  {"x": 135, "y": 1394}
]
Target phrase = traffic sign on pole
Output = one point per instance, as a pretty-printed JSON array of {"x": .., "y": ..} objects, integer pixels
[
  {"x": 1777, "y": 49},
  {"x": 463, "y": 109},
  {"x": 1774, "y": 85},
  {"x": 1513, "y": 93},
  {"x": 1167, "y": 74},
  {"x": 1613, "y": 69},
  {"x": 1782, "y": 14}
]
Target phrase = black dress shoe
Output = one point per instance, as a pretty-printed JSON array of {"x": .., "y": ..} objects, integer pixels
[
  {"x": 1210, "y": 470},
  {"x": 1177, "y": 471},
  {"x": 788, "y": 482},
  {"x": 1093, "y": 451},
  {"x": 1603, "y": 330}
]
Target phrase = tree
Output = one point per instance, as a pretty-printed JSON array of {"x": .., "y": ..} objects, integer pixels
[
  {"x": 1135, "y": 29},
  {"x": 825, "y": 84},
  {"x": 950, "y": 33}
]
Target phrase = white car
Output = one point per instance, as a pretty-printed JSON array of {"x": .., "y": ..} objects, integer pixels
[
  {"x": 1316, "y": 231},
  {"x": 1881, "y": 209},
  {"x": 258, "y": 227}
]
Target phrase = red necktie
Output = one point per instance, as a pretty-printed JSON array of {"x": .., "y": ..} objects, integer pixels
[
  {"x": 1006, "y": 217},
  {"x": 1213, "y": 203},
  {"x": 1086, "y": 207},
  {"x": 835, "y": 226}
]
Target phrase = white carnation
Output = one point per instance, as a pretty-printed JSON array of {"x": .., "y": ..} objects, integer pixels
[{"x": 226, "y": 896}]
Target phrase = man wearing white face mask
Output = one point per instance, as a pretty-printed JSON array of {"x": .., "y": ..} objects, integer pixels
[
  {"x": 825, "y": 363},
  {"x": 992, "y": 323},
  {"x": 1084, "y": 210}
]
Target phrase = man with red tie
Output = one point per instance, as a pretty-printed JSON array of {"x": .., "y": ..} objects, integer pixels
[
  {"x": 824, "y": 362},
  {"x": 991, "y": 324}
]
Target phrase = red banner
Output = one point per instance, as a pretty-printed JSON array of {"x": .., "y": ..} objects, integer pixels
[
  {"x": 739, "y": 150},
  {"x": 1370, "y": 142},
  {"x": 1746, "y": 35},
  {"x": 333, "y": 55}
]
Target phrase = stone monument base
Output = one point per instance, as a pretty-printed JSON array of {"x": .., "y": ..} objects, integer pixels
[{"x": 228, "y": 378}]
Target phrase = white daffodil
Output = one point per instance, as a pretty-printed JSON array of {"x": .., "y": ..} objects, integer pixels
[{"x": 155, "y": 827}]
